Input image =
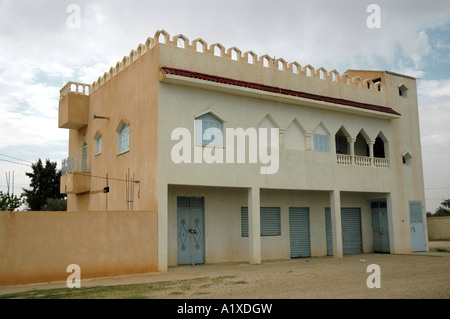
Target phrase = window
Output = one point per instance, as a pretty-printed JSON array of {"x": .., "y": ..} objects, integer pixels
[
  {"x": 378, "y": 148},
  {"x": 376, "y": 81},
  {"x": 321, "y": 143},
  {"x": 208, "y": 130},
  {"x": 406, "y": 159},
  {"x": 98, "y": 143},
  {"x": 341, "y": 144},
  {"x": 84, "y": 160},
  {"x": 402, "y": 90},
  {"x": 124, "y": 137},
  {"x": 270, "y": 222}
]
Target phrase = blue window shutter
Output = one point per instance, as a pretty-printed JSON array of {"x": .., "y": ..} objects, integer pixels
[
  {"x": 326, "y": 143},
  {"x": 270, "y": 223},
  {"x": 208, "y": 121},
  {"x": 98, "y": 145},
  {"x": 124, "y": 139},
  {"x": 244, "y": 221},
  {"x": 198, "y": 135},
  {"x": 321, "y": 143}
]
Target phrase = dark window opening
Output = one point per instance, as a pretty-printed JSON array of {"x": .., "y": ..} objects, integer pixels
[{"x": 378, "y": 148}]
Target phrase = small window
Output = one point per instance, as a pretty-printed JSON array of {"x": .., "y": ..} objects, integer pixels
[
  {"x": 124, "y": 137},
  {"x": 376, "y": 81},
  {"x": 208, "y": 130},
  {"x": 270, "y": 222},
  {"x": 321, "y": 143},
  {"x": 402, "y": 90},
  {"x": 406, "y": 159},
  {"x": 98, "y": 143}
]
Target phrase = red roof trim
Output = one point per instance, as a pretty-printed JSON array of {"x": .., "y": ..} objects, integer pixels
[{"x": 262, "y": 87}]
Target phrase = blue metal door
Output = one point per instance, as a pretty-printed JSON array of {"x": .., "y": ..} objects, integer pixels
[
  {"x": 190, "y": 230},
  {"x": 380, "y": 227},
  {"x": 417, "y": 226},
  {"x": 299, "y": 232},
  {"x": 329, "y": 232}
]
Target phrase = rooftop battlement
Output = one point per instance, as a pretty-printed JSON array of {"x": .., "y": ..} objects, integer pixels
[{"x": 234, "y": 53}]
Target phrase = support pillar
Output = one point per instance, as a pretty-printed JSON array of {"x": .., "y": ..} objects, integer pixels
[
  {"x": 309, "y": 142},
  {"x": 392, "y": 222},
  {"x": 335, "y": 209},
  {"x": 351, "y": 142},
  {"x": 371, "y": 144},
  {"x": 254, "y": 226},
  {"x": 282, "y": 132},
  {"x": 163, "y": 236}
]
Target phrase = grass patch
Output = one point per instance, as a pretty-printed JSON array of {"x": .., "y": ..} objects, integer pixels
[
  {"x": 239, "y": 282},
  {"x": 176, "y": 293},
  {"x": 132, "y": 291}
]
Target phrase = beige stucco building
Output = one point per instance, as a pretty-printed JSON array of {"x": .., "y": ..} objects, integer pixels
[{"x": 347, "y": 177}]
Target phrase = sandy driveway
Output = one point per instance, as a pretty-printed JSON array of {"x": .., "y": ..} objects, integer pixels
[{"x": 423, "y": 275}]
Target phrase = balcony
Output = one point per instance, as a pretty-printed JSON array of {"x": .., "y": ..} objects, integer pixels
[
  {"x": 75, "y": 175},
  {"x": 356, "y": 160},
  {"x": 74, "y": 106}
]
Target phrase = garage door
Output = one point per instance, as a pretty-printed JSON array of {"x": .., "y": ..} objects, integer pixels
[
  {"x": 351, "y": 230},
  {"x": 299, "y": 232}
]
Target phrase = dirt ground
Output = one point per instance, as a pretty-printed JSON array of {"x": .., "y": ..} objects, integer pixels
[{"x": 420, "y": 275}]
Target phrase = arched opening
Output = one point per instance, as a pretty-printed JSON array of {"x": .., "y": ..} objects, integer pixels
[
  {"x": 342, "y": 145},
  {"x": 361, "y": 147},
  {"x": 378, "y": 148}
]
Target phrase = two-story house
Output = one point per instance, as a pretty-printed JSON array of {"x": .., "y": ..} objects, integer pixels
[{"x": 247, "y": 157}]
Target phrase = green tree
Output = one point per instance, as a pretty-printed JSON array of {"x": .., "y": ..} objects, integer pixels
[
  {"x": 9, "y": 202},
  {"x": 44, "y": 185},
  {"x": 444, "y": 209},
  {"x": 55, "y": 204}
]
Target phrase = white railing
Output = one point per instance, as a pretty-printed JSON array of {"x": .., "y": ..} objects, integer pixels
[
  {"x": 357, "y": 160},
  {"x": 362, "y": 160},
  {"x": 74, "y": 87},
  {"x": 344, "y": 159},
  {"x": 380, "y": 162},
  {"x": 75, "y": 164}
]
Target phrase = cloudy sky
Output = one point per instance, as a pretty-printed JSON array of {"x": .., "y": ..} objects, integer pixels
[{"x": 40, "y": 50}]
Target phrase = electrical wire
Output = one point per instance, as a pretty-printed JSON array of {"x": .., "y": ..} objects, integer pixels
[{"x": 22, "y": 160}]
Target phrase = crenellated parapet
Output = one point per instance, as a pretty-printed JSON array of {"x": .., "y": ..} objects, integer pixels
[{"x": 234, "y": 53}]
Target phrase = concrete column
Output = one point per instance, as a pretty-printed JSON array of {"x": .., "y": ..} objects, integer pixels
[
  {"x": 309, "y": 142},
  {"x": 282, "y": 131},
  {"x": 254, "y": 226},
  {"x": 335, "y": 209},
  {"x": 163, "y": 235},
  {"x": 392, "y": 222},
  {"x": 371, "y": 144},
  {"x": 351, "y": 142}
]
